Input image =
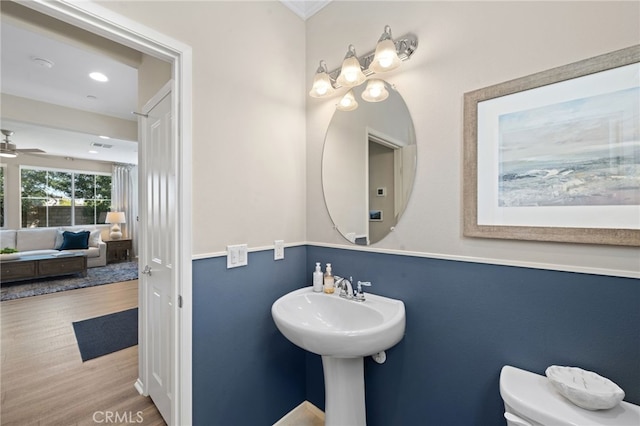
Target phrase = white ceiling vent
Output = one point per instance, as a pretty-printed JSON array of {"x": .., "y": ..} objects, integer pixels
[{"x": 101, "y": 145}]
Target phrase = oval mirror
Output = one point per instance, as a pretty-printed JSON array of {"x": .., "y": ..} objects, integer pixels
[{"x": 368, "y": 167}]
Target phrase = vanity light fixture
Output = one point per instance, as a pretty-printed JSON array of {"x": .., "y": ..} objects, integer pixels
[
  {"x": 321, "y": 82},
  {"x": 351, "y": 74},
  {"x": 387, "y": 55},
  {"x": 375, "y": 91},
  {"x": 348, "y": 102}
]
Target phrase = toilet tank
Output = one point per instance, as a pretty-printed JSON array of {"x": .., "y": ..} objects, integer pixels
[{"x": 530, "y": 399}]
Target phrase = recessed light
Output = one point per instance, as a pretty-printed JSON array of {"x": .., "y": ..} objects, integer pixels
[
  {"x": 91, "y": 97},
  {"x": 104, "y": 137},
  {"x": 93, "y": 151},
  {"x": 98, "y": 76}
]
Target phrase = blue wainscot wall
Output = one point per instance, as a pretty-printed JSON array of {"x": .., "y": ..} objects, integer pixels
[
  {"x": 464, "y": 322},
  {"x": 245, "y": 373}
]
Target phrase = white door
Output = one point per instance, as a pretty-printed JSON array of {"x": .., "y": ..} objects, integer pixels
[{"x": 158, "y": 286}]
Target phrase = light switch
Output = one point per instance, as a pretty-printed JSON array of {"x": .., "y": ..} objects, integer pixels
[
  {"x": 278, "y": 250},
  {"x": 237, "y": 256}
]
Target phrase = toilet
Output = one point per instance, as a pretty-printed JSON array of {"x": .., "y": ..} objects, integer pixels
[{"x": 530, "y": 400}]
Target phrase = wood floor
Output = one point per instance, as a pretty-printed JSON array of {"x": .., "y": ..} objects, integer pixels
[
  {"x": 43, "y": 380},
  {"x": 305, "y": 414}
]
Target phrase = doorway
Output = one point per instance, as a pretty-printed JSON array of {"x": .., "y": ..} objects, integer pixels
[{"x": 96, "y": 19}]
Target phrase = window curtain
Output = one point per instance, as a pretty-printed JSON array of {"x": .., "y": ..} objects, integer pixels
[{"x": 124, "y": 198}]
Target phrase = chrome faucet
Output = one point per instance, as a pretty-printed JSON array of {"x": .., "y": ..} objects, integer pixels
[
  {"x": 359, "y": 295},
  {"x": 344, "y": 284}
]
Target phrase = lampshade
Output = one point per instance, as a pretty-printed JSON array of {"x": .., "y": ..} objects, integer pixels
[
  {"x": 351, "y": 72},
  {"x": 348, "y": 102},
  {"x": 321, "y": 83},
  {"x": 386, "y": 57},
  {"x": 115, "y": 217},
  {"x": 375, "y": 91}
]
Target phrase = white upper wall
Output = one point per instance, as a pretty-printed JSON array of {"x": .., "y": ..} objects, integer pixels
[
  {"x": 463, "y": 46},
  {"x": 248, "y": 117}
]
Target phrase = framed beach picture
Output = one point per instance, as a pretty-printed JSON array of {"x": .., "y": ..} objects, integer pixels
[
  {"x": 375, "y": 216},
  {"x": 555, "y": 156}
]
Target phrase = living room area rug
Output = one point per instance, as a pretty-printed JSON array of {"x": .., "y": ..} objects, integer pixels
[
  {"x": 113, "y": 273},
  {"x": 106, "y": 334}
]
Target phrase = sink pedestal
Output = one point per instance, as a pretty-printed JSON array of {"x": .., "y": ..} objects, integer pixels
[
  {"x": 344, "y": 391},
  {"x": 343, "y": 332}
]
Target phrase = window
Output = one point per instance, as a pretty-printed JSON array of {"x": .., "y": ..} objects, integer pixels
[
  {"x": 92, "y": 198},
  {"x": 63, "y": 198}
]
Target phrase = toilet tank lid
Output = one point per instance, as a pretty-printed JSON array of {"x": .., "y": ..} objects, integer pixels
[{"x": 532, "y": 395}]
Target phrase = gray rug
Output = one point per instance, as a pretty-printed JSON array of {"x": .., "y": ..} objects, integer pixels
[
  {"x": 106, "y": 334},
  {"x": 113, "y": 273}
]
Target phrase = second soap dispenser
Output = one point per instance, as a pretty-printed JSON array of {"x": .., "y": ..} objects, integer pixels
[{"x": 329, "y": 282}]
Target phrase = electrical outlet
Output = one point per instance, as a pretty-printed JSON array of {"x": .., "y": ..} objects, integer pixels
[
  {"x": 237, "y": 256},
  {"x": 278, "y": 250}
]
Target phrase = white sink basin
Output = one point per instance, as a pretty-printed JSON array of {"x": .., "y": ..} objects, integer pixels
[{"x": 329, "y": 325}]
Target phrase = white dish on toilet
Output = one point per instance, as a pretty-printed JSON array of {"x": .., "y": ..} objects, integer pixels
[
  {"x": 531, "y": 400},
  {"x": 585, "y": 388}
]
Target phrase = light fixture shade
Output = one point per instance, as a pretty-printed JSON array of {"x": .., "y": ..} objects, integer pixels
[
  {"x": 386, "y": 57},
  {"x": 375, "y": 91},
  {"x": 8, "y": 150},
  {"x": 348, "y": 102},
  {"x": 351, "y": 74},
  {"x": 115, "y": 217},
  {"x": 321, "y": 83}
]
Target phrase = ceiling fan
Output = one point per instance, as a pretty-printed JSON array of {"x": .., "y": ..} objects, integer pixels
[{"x": 9, "y": 150}]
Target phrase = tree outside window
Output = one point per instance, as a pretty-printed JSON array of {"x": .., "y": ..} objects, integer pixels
[
  {"x": 92, "y": 198},
  {"x": 57, "y": 198}
]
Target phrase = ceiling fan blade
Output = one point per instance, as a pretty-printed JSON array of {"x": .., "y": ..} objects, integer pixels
[{"x": 31, "y": 150}]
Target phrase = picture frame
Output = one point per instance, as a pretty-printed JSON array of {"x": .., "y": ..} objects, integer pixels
[
  {"x": 376, "y": 216},
  {"x": 555, "y": 156}
]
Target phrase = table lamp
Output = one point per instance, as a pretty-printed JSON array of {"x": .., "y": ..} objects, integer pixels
[{"x": 116, "y": 218}]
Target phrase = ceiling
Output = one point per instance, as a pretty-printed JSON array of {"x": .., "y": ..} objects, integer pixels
[
  {"x": 66, "y": 83},
  {"x": 305, "y": 8},
  {"x": 46, "y": 69}
]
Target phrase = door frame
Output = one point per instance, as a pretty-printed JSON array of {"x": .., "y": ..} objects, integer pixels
[{"x": 108, "y": 24}]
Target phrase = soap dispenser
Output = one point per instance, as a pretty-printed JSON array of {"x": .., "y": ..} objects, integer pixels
[
  {"x": 329, "y": 282},
  {"x": 317, "y": 279}
]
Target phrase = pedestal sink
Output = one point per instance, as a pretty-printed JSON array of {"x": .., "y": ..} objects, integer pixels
[{"x": 343, "y": 332}]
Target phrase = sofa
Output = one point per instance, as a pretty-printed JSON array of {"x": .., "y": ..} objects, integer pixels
[{"x": 34, "y": 241}]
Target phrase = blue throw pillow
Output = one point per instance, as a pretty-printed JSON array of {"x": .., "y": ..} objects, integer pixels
[{"x": 75, "y": 240}]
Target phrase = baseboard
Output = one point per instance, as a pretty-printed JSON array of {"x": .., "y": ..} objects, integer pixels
[
  {"x": 139, "y": 387},
  {"x": 304, "y": 410}
]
